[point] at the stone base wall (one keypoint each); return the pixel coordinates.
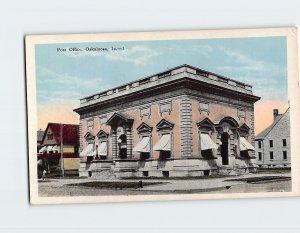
(104, 169)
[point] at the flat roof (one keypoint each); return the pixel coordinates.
(167, 76)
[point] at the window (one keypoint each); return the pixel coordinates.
(143, 147)
(283, 142)
(259, 156)
(145, 173)
(259, 144)
(164, 144)
(284, 155)
(271, 143)
(165, 173)
(49, 136)
(271, 155)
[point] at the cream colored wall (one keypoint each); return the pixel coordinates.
(49, 142)
(71, 163)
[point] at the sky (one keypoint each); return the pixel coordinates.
(63, 77)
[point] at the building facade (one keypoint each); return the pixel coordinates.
(181, 122)
(273, 144)
(60, 141)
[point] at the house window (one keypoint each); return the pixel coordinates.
(259, 156)
(271, 155)
(271, 143)
(49, 136)
(203, 107)
(259, 144)
(90, 124)
(284, 155)
(283, 142)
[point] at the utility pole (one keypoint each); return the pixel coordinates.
(61, 151)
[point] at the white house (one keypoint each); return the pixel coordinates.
(272, 145)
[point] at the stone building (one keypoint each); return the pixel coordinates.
(59, 141)
(181, 122)
(273, 144)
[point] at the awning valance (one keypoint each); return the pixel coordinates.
(55, 148)
(143, 145)
(49, 148)
(43, 149)
(88, 151)
(245, 145)
(207, 143)
(164, 143)
(102, 149)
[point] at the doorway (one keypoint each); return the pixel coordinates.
(122, 141)
(224, 148)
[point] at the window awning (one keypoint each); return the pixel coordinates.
(143, 145)
(88, 151)
(164, 143)
(43, 149)
(49, 148)
(207, 143)
(245, 145)
(55, 148)
(102, 149)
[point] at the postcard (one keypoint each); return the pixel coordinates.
(158, 116)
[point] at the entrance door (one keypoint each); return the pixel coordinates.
(122, 146)
(224, 148)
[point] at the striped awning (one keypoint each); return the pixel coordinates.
(49, 148)
(207, 143)
(43, 149)
(164, 143)
(245, 145)
(143, 145)
(55, 148)
(88, 151)
(102, 149)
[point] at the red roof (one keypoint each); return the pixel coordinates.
(69, 135)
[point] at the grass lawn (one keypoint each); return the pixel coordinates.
(261, 179)
(273, 170)
(177, 178)
(114, 184)
(67, 177)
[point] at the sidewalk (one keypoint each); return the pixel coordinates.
(169, 185)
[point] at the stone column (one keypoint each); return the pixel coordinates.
(186, 127)
(114, 143)
(129, 142)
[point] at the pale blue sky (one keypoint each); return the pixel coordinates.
(69, 76)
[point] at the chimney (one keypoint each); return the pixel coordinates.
(275, 114)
